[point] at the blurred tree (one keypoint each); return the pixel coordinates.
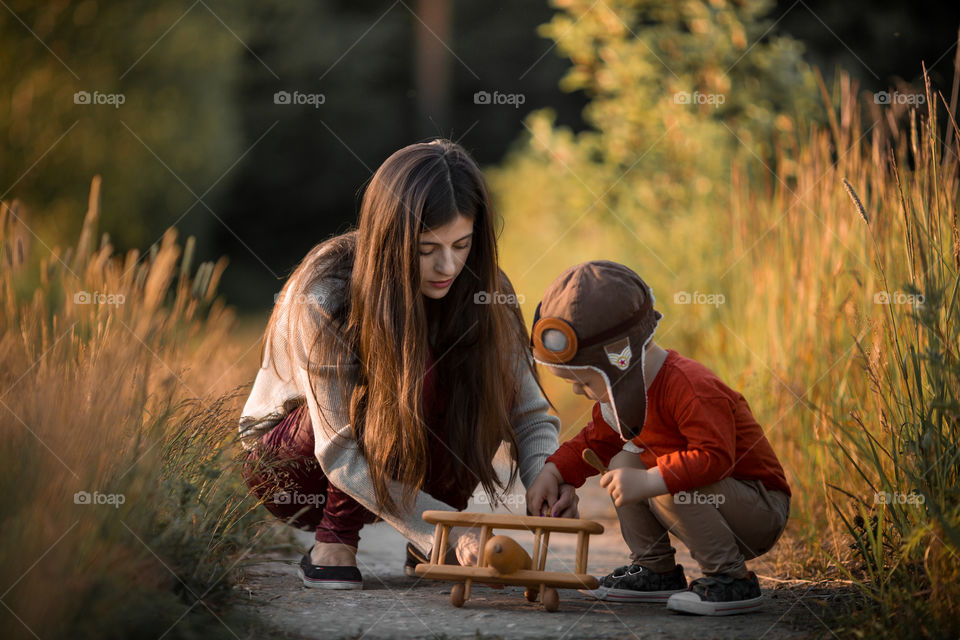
(143, 95)
(433, 61)
(307, 174)
(200, 117)
(314, 154)
(678, 91)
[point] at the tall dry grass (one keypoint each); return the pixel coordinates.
(122, 513)
(853, 254)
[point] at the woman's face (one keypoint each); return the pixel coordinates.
(443, 253)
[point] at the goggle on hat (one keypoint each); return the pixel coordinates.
(594, 316)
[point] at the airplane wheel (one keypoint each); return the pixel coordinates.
(551, 601)
(531, 594)
(456, 594)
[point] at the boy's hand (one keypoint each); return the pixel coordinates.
(550, 495)
(629, 486)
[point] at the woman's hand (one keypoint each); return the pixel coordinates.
(467, 546)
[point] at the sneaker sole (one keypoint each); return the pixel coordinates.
(703, 608)
(628, 595)
(328, 584)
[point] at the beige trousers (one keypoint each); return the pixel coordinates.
(724, 524)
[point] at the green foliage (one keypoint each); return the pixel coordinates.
(175, 65)
(678, 91)
(653, 172)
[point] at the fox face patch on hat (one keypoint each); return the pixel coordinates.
(598, 315)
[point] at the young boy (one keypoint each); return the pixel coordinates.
(684, 452)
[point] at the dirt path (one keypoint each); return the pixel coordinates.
(392, 605)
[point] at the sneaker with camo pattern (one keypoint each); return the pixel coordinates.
(636, 583)
(719, 595)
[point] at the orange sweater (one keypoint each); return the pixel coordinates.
(698, 431)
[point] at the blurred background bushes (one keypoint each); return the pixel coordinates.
(200, 143)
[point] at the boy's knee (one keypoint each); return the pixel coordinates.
(685, 507)
(626, 459)
(667, 503)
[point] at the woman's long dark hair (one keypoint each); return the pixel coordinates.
(387, 323)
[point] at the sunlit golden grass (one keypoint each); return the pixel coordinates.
(122, 512)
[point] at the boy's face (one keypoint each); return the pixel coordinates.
(586, 382)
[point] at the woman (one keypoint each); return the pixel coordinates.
(392, 371)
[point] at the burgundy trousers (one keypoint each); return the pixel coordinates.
(281, 470)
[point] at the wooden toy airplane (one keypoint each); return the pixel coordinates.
(503, 561)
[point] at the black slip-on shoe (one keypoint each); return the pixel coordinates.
(318, 576)
(719, 595)
(414, 557)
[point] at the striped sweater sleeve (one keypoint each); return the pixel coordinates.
(536, 430)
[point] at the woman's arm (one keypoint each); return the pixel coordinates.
(537, 431)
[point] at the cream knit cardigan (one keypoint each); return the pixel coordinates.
(336, 449)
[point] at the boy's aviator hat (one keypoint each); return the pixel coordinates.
(599, 315)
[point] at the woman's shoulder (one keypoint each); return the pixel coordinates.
(322, 280)
(316, 297)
